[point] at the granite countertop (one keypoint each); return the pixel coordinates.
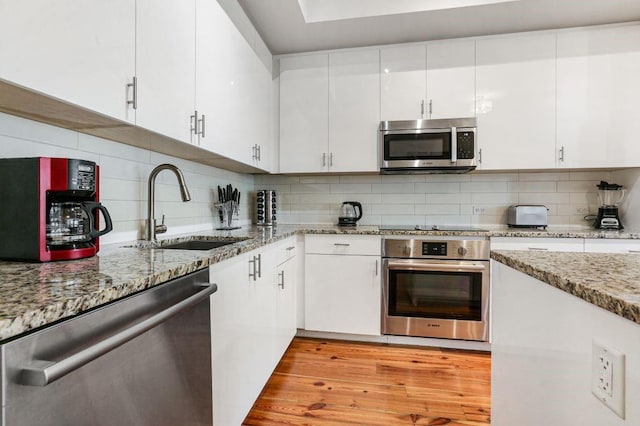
(610, 281)
(34, 295)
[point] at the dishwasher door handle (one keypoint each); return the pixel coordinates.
(41, 373)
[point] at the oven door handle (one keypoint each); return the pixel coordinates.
(437, 267)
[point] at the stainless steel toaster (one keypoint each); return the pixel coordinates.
(527, 216)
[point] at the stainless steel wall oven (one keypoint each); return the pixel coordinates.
(436, 288)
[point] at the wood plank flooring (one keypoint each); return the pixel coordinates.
(328, 382)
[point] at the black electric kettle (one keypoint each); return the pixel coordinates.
(348, 214)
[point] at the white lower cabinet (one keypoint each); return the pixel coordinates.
(541, 244)
(252, 323)
(342, 290)
(592, 245)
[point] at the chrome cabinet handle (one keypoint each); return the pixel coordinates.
(252, 262)
(422, 108)
(561, 153)
(634, 251)
(194, 123)
(290, 248)
(134, 95)
(341, 244)
(41, 373)
(430, 107)
(259, 149)
(281, 283)
(259, 266)
(324, 159)
(253, 153)
(376, 267)
(331, 159)
(202, 124)
(480, 155)
(538, 248)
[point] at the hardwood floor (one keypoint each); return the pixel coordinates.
(328, 382)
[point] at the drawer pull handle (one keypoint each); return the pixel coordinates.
(634, 251)
(341, 244)
(538, 248)
(290, 248)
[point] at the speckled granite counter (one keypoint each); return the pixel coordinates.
(33, 295)
(610, 281)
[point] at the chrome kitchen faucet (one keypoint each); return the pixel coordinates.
(151, 228)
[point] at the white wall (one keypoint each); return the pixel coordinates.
(124, 174)
(436, 199)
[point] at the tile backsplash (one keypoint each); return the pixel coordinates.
(124, 172)
(478, 198)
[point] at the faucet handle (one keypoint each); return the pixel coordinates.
(162, 228)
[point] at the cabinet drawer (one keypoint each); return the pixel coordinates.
(343, 244)
(550, 244)
(285, 250)
(611, 246)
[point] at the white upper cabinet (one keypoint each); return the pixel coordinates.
(165, 66)
(354, 111)
(451, 79)
(598, 93)
(304, 113)
(82, 52)
(233, 90)
(403, 83)
(515, 103)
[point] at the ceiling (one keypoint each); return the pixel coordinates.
(335, 24)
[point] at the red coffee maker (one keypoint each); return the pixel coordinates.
(49, 209)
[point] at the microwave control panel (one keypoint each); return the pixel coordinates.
(465, 145)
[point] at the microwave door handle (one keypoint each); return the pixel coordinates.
(454, 145)
(437, 267)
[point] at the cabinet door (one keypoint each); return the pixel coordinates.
(342, 294)
(515, 80)
(304, 116)
(598, 92)
(354, 111)
(82, 52)
(403, 83)
(165, 66)
(285, 282)
(243, 332)
(451, 84)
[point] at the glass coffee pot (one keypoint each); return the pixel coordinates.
(72, 223)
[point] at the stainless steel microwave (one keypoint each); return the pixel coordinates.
(427, 146)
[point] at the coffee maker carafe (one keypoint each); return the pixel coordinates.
(610, 196)
(348, 214)
(50, 209)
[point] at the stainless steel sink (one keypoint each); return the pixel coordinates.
(198, 244)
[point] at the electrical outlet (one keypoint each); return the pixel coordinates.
(607, 377)
(478, 210)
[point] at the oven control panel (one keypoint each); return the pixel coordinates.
(434, 249)
(438, 249)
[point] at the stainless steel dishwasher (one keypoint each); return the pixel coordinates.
(142, 360)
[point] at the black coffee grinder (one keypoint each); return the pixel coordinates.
(610, 195)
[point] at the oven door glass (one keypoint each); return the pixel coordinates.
(417, 146)
(430, 294)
